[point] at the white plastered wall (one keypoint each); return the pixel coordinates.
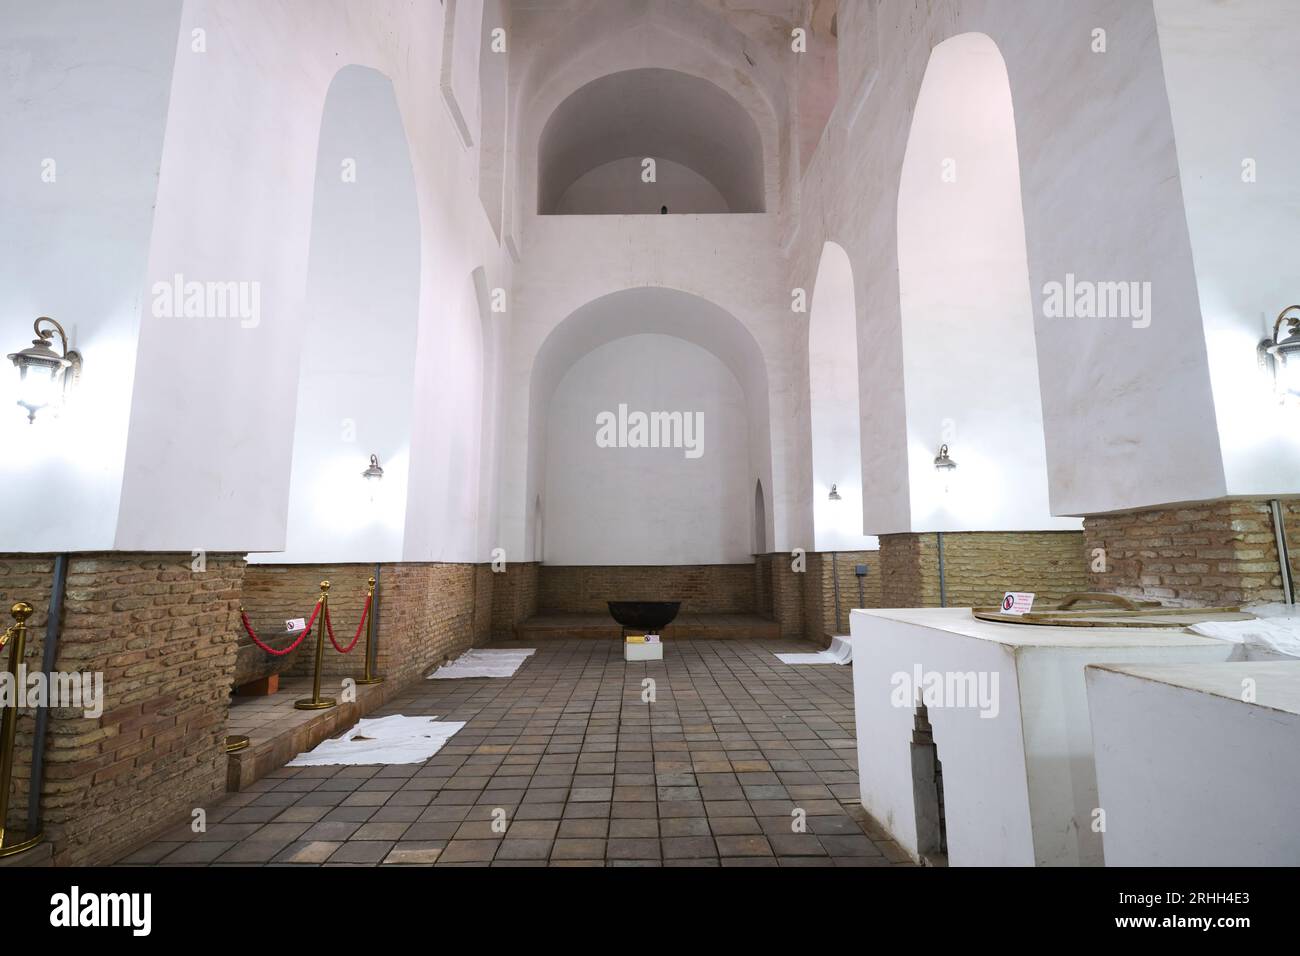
(1230, 69)
(208, 455)
(1125, 410)
(568, 262)
(694, 324)
(643, 505)
(82, 114)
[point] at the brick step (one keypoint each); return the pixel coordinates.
(687, 627)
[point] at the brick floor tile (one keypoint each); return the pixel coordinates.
(585, 772)
(594, 828)
(469, 851)
(743, 846)
(632, 849)
(512, 849)
(633, 828)
(692, 846)
(578, 849)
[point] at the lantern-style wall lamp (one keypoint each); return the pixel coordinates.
(1282, 353)
(945, 466)
(374, 472)
(835, 493)
(943, 463)
(44, 375)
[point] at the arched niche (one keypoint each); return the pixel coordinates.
(970, 365)
(647, 458)
(833, 402)
(652, 350)
(357, 365)
(706, 148)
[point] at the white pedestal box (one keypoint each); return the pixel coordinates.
(1189, 773)
(643, 652)
(1011, 729)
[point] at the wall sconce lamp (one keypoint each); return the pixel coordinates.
(44, 375)
(374, 472)
(835, 493)
(1282, 353)
(943, 463)
(945, 466)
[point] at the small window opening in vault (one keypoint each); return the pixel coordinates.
(927, 792)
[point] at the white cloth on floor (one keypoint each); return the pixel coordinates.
(485, 662)
(386, 740)
(1276, 629)
(840, 652)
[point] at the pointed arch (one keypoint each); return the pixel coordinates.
(970, 362)
(357, 365)
(833, 405)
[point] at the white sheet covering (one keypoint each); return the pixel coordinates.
(1276, 629)
(484, 662)
(840, 652)
(395, 739)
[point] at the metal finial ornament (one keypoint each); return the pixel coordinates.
(316, 701)
(16, 637)
(368, 676)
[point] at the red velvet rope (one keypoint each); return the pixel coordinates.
(292, 647)
(330, 627)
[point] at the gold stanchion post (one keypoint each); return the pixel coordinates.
(316, 701)
(9, 727)
(368, 676)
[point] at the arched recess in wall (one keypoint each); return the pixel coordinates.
(706, 149)
(357, 365)
(970, 366)
(760, 519)
(493, 64)
(833, 403)
(609, 496)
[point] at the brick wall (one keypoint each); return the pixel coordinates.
(163, 636)
(483, 610)
(787, 588)
(908, 571)
(275, 593)
(1215, 553)
(762, 572)
(702, 589)
(980, 566)
(819, 591)
(514, 598)
(426, 612)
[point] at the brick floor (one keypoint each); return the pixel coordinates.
(739, 760)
